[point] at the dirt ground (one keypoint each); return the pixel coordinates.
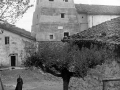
(32, 80)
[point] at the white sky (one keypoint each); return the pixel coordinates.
(26, 21)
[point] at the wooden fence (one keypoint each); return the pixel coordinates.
(105, 81)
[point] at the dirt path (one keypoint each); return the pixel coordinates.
(32, 80)
(43, 85)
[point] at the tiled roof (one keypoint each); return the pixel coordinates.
(108, 31)
(98, 9)
(16, 30)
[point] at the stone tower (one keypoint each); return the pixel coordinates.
(54, 19)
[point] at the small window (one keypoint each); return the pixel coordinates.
(51, 0)
(51, 36)
(66, 0)
(6, 40)
(82, 16)
(66, 34)
(62, 15)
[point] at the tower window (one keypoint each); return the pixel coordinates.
(51, 36)
(62, 15)
(51, 0)
(66, 0)
(6, 40)
(66, 34)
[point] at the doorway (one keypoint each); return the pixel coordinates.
(13, 60)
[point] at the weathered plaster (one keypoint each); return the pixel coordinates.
(55, 3)
(16, 47)
(47, 19)
(97, 19)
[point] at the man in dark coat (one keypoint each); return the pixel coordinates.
(19, 83)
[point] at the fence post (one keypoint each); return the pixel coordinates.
(108, 80)
(1, 84)
(104, 85)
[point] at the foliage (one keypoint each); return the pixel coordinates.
(12, 10)
(66, 61)
(63, 57)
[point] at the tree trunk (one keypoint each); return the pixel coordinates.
(66, 79)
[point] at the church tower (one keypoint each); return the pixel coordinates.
(54, 19)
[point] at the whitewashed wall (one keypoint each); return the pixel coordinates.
(97, 19)
(17, 45)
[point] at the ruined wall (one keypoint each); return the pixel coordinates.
(17, 46)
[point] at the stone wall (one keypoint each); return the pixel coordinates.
(47, 20)
(30, 47)
(50, 44)
(18, 47)
(55, 3)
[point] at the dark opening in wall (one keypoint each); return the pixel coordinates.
(13, 60)
(66, 34)
(51, 36)
(66, 0)
(62, 15)
(6, 40)
(51, 0)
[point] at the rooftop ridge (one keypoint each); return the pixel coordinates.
(16, 30)
(98, 9)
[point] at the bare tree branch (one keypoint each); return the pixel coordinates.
(13, 10)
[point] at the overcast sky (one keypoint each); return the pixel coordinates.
(26, 21)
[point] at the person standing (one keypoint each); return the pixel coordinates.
(19, 83)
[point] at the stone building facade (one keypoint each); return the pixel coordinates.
(92, 15)
(54, 19)
(15, 45)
